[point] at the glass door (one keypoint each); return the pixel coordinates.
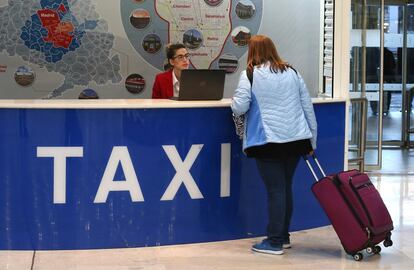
(366, 84)
(382, 73)
(398, 80)
(406, 66)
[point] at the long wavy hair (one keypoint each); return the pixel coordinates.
(261, 51)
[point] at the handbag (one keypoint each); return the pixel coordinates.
(239, 120)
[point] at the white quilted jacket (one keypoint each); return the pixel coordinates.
(278, 108)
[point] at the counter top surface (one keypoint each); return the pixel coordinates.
(124, 103)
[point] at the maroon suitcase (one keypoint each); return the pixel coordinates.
(355, 209)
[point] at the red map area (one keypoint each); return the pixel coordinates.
(58, 31)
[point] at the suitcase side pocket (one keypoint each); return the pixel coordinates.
(368, 196)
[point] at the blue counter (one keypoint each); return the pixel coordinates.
(89, 177)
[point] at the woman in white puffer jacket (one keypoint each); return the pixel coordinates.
(280, 126)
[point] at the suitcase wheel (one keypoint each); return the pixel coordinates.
(373, 250)
(377, 249)
(387, 243)
(358, 256)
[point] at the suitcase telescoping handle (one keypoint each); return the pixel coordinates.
(311, 168)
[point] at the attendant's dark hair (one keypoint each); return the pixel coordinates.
(261, 51)
(171, 49)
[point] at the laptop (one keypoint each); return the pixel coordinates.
(201, 84)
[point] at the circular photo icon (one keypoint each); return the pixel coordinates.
(245, 9)
(228, 62)
(192, 39)
(151, 43)
(213, 3)
(88, 94)
(140, 18)
(135, 83)
(24, 76)
(241, 36)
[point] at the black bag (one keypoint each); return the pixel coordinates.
(239, 120)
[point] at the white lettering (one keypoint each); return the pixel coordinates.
(59, 155)
(119, 155)
(183, 174)
(47, 15)
(225, 170)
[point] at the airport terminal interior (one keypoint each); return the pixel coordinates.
(379, 140)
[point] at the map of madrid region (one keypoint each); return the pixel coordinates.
(52, 31)
(66, 37)
(215, 32)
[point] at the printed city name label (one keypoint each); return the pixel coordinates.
(120, 156)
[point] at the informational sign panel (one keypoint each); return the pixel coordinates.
(107, 178)
(59, 48)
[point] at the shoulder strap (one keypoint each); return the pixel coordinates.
(293, 70)
(249, 76)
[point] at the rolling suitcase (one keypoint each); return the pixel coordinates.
(355, 208)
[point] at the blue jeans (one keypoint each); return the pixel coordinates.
(277, 175)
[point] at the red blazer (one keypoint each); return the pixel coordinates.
(163, 85)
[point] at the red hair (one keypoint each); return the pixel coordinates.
(263, 50)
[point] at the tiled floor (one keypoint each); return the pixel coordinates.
(394, 161)
(312, 249)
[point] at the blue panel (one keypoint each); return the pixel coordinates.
(31, 220)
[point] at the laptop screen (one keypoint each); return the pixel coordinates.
(202, 84)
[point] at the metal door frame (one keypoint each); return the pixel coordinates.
(406, 129)
(406, 110)
(362, 145)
